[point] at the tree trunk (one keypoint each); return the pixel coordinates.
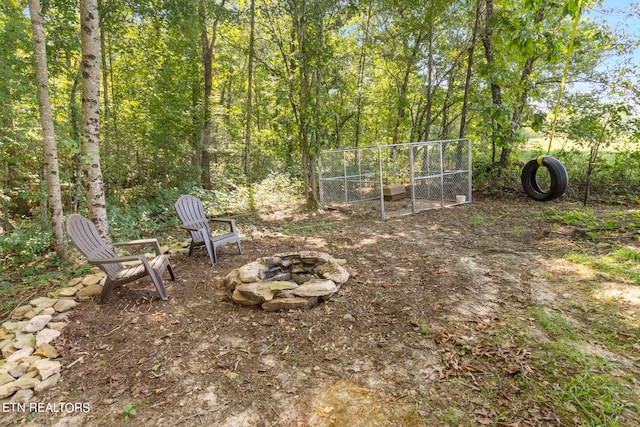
(207, 134)
(54, 196)
(106, 108)
(105, 90)
(6, 126)
(402, 96)
(74, 119)
(496, 90)
(196, 136)
(593, 155)
(430, 90)
(5, 224)
(90, 148)
(360, 83)
(208, 143)
(467, 81)
(247, 132)
(300, 20)
(523, 93)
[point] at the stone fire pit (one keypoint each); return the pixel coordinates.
(287, 281)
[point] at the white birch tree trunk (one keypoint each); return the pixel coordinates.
(52, 176)
(90, 147)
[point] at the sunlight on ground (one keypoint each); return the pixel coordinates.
(365, 242)
(346, 404)
(570, 271)
(316, 242)
(620, 292)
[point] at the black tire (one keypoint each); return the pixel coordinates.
(557, 173)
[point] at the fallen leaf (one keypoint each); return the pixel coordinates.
(323, 412)
(441, 271)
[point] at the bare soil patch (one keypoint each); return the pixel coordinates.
(427, 331)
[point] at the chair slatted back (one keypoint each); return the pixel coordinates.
(191, 212)
(84, 235)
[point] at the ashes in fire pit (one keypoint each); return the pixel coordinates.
(287, 281)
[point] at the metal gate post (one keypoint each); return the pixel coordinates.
(441, 178)
(381, 183)
(320, 179)
(413, 177)
(344, 175)
(360, 182)
(469, 170)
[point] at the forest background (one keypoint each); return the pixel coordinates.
(229, 98)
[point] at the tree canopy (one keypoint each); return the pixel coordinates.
(174, 107)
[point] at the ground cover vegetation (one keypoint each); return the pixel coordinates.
(233, 101)
(501, 312)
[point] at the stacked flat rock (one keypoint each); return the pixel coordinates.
(295, 280)
(28, 355)
(28, 364)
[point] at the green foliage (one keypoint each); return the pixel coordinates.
(582, 383)
(555, 324)
(144, 217)
(30, 266)
(494, 181)
(621, 263)
(274, 193)
(129, 411)
(306, 229)
(619, 221)
(25, 243)
(346, 73)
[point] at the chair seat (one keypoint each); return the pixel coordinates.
(191, 212)
(219, 239)
(137, 271)
(86, 238)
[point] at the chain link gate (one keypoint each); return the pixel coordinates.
(397, 179)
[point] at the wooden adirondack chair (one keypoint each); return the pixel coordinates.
(191, 213)
(85, 237)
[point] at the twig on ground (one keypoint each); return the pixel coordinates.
(199, 414)
(116, 328)
(19, 304)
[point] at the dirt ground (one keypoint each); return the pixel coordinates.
(427, 331)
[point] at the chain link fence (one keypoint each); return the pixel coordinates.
(397, 179)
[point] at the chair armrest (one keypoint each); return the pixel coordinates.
(230, 221)
(142, 242)
(221, 219)
(118, 259)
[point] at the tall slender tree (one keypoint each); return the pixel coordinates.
(247, 132)
(208, 45)
(467, 80)
(54, 197)
(90, 147)
(362, 61)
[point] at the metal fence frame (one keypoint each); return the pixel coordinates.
(436, 172)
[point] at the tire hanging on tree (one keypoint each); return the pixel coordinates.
(559, 177)
(557, 173)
